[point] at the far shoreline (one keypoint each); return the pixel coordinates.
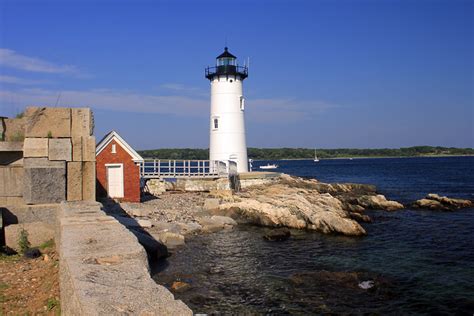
(366, 157)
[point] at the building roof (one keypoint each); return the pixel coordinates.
(225, 54)
(113, 135)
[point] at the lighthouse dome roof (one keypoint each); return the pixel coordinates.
(226, 54)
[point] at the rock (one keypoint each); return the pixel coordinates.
(189, 228)
(210, 204)
(48, 122)
(285, 206)
(365, 285)
(60, 149)
(38, 233)
(35, 147)
(171, 240)
(215, 223)
(378, 202)
(46, 258)
(74, 181)
(44, 181)
(179, 286)
(88, 181)
(443, 203)
(278, 234)
(360, 217)
(157, 186)
(32, 253)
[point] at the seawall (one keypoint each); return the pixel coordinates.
(103, 268)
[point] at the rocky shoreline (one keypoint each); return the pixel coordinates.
(291, 202)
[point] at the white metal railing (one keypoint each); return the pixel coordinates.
(158, 168)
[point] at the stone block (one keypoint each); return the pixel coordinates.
(76, 148)
(49, 122)
(11, 146)
(88, 181)
(11, 181)
(38, 233)
(88, 148)
(60, 149)
(44, 181)
(74, 181)
(35, 147)
(82, 122)
(14, 129)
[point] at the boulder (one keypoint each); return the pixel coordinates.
(48, 122)
(442, 203)
(321, 212)
(38, 233)
(378, 202)
(60, 149)
(278, 234)
(44, 181)
(215, 223)
(170, 239)
(35, 147)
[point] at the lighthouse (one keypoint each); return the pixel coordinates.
(227, 126)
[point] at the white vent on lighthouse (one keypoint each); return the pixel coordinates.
(227, 132)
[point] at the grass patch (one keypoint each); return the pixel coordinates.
(47, 244)
(9, 258)
(52, 303)
(3, 286)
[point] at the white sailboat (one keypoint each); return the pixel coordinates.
(315, 156)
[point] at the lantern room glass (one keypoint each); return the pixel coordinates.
(226, 61)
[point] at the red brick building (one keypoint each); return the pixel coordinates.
(117, 168)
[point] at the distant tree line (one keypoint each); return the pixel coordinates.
(307, 153)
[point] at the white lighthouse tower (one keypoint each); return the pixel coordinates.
(227, 128)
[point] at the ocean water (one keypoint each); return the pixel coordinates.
(421, 262)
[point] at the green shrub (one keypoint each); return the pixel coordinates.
(23, 242)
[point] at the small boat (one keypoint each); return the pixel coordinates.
(269, 166)
(315, 157)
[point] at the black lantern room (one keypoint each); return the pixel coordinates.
(226, 65)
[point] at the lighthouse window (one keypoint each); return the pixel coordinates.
(242, 103)
(216, 123)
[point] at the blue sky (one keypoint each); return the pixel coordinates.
(324, 74)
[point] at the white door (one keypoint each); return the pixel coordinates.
(115, 181)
